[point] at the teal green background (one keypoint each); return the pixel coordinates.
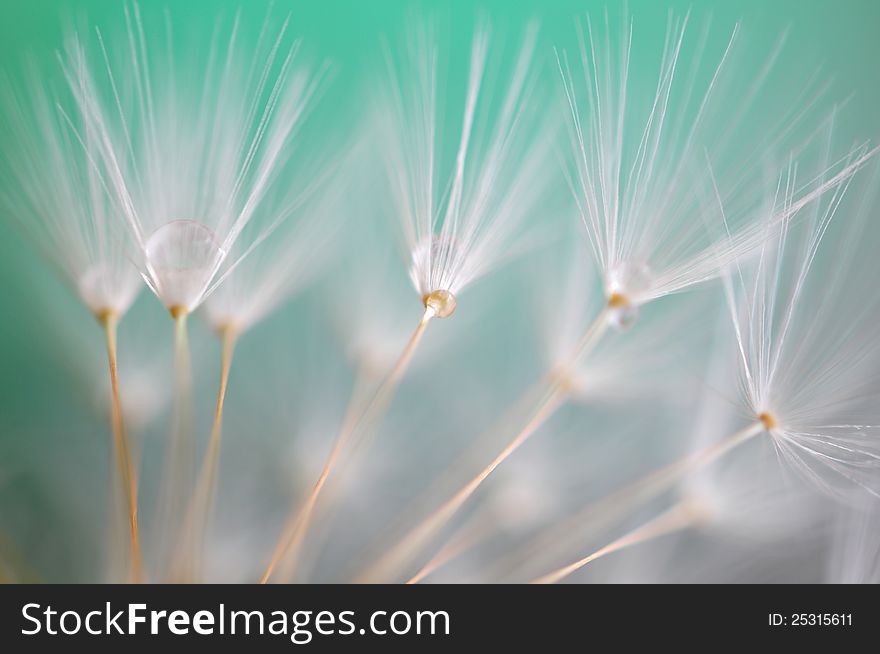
(839, 37)
(48, 445)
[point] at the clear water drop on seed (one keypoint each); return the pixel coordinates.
(182, 257)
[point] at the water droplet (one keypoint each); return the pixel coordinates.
(624, 284)
(629, 279)
(623, 317)
(182, 257)
(442, 302)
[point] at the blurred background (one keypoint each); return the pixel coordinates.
(293, 373)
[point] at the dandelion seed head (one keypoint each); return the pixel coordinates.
(190, 149)
(645, 169)
(55, 193)
(767, 419)
(806, 338)
(106, 288)
(298, 248)
(460, 211)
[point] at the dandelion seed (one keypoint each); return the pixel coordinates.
(617, 372)
(455, 236)
(786, 389)
(59, 198)
(621, 372)
(645, 207)
(191, 154)
(270, 276)
(257, 287)
(807, 346)
(457, 228)
(61, 202)
(373, 347)
(639, 173)
(735, 498)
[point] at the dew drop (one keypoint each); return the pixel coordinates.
(182, 257)
(628, 278)
(623, 317)
(624, 283)
(442, 302)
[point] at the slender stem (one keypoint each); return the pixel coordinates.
(509, 420)
(298, 562)
(419, 536)
(484, 445)
(590, 337)
(180, 454)
(212, 456)
(295, 530)
(643, 490)
(470, 535)
(551, 400)
(183, 435)
(198, 513)
(677, 518)
(109, 320)
(298, 523)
